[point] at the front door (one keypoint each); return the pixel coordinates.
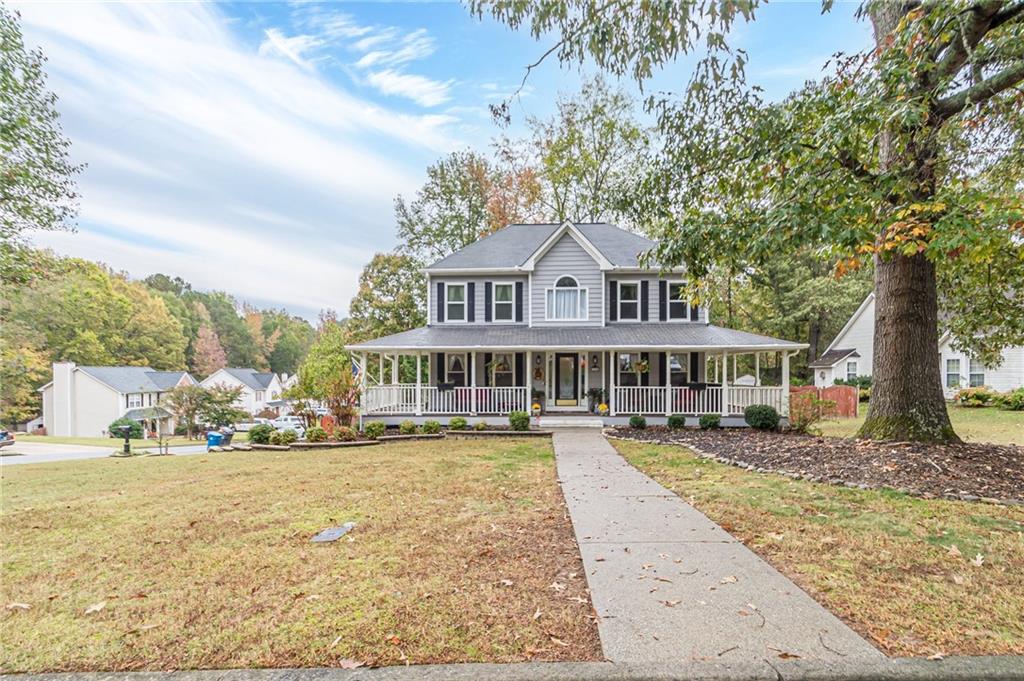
(567, 380)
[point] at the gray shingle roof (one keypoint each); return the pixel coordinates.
(831, 357)
(512, 246)
(635, 336)
(135, 379)
(256, 380)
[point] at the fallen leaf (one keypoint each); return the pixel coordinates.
(19, 606)
(958, 579)
(558, 587)
(788, 656)
(394, 640)
(506, 582)
(663, 579)
(558, 641)
(731, 579)
(349, 664)
(936, 656)
(536, 615)
(977, 560)
(670, 604)
(953, 551)
(336, 641)
(95, 607)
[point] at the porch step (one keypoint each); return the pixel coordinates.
(571, 422)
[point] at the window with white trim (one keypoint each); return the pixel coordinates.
(851, 370)
(455, 302)
(455, 370)
(502, 303)
(134, 400)
(259, 395)
(952, 373)
(567, 301)
(627, 369)
(678, 306)
(679, 368)
(976, 374)
(503, 370)
(629, 301)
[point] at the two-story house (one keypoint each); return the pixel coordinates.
(565, 316)
(259, 388)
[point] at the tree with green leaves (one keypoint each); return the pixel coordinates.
(391, 298)
(37, 177)
(907, 155)
(219, 406)
(326, 374)
(187, 403)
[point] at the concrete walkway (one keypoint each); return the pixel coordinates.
(668, 584)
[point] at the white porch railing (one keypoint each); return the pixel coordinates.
(741, 397)
(651, 399)
(401, 399)
(639, 400)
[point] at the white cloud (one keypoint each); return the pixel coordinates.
(423, 91)
(293, 48)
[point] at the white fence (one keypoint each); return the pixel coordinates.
(651, 400)
(401, 399)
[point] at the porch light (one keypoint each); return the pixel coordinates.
(595, 361)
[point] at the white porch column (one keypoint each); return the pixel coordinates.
(614, 369)
(604, 372)
(362, 387)
(735, 372)
(757, 368)
(667, 370)
(785, 383)
(725, 382)
(472, 383)
(394, 369)
(419, 384)
(380, 368)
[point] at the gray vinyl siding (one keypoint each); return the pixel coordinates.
(478, 296)
(567, 257)
(652, 298)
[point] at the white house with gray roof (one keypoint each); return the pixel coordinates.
(550, 314)
(258, 387)
(82, 401)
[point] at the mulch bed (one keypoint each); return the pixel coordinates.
(969, 471)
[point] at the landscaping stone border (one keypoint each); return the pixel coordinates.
(272, 448)
(836, 482)
(419, 436)
(469, 434)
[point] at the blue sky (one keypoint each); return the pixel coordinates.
(257, 147)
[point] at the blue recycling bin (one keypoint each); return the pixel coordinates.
(213, 439)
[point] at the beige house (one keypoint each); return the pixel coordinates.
(82, 401)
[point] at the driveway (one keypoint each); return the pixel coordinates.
(42, 452)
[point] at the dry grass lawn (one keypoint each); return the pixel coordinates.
(972, 425)
(883, 561)
(205, 561)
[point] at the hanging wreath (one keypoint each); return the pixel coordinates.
(538, 374)
(643, 366)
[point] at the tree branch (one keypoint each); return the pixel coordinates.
(954, 104)
(1008, 14)
(967, 37)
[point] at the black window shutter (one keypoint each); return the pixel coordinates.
(487, 369)
(439, 372)
(487, 301)
(663, 368)
(645, 378)
(520, 369)
(471, 302)
(694, 367)
(469, 369)
(440, 301)
(613, 300)
(662, 300)
(644, 300)
(694, 313)
(519, 301)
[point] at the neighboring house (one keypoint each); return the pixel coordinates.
(851, 353)
(258, 387)
(83, 401)
(551, 313)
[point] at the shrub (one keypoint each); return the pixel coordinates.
(864, 395)
(407, 428)
(288, 436)
(135, 433)
(807, 410)
(344, 434)
(374, 429)
(858, 381)
(977, 397)
(480, 425)
(316, 434)
(519, 420)
(676, 421)
(260, 433)
(709, 421)
(431, 427)
(761, 416)
(457, 423)
(637, 422)
(1013, 400)
(276, 438)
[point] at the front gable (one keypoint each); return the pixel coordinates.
(566, 256)
(567, 230)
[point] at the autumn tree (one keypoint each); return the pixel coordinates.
(391, 298)
(219, 405)
(187, 403)
(907, 155)
(326, 374)
(209, 355)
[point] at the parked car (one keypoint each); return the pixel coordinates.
(246, 426)
(6, 438)
(290, 423)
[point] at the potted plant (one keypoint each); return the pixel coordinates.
(537, 401)
(595, 397)
(602, 409)
(535, 408)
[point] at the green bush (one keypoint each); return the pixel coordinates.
(344, 434)
(637, 422)
(480, 425)
(979, 396)
(858, 382)
(709, 421)
(260, 434)
(676, 421)
(288, 436)
(864, 394)
(407, 428)
(316, 434)
(1012, 401)
(431, 427)
(457, 423)
(276, 438)
(135, 433)
(519, 420)
(761, 416)
(374, 429)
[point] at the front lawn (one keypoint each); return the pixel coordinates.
(972, 425)
(915, 576)
(462, 552)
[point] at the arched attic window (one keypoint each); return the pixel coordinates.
(566, 300)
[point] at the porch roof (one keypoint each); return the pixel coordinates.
(652, 336)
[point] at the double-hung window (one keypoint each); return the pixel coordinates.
(629, 301)
(627, 369)
(134, 400)
(455, 302)
(503, 370)
(851, 370)
(567, 301)
(976, 375)
(456, 370)
(503, 302)
(679, 365)
(952, 373)
(678, 307)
